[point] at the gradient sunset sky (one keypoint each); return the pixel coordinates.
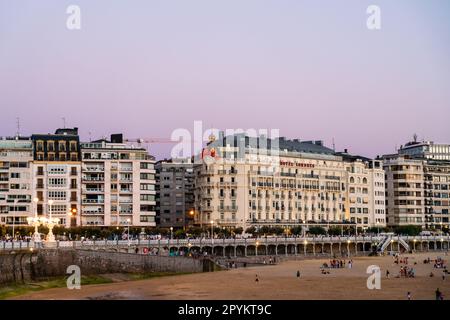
(309, 68)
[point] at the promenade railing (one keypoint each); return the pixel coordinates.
(203, 242)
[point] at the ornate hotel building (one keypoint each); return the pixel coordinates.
(117, 184)
(16, 158)
(243, 181)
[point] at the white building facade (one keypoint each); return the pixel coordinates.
(16, 190)
(250, 182)
(117, 185)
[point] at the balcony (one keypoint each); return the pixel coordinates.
(88, 178)
(125, 200)
(93, 201)
(128, 169)
(208, 172)
(93, 190)
(222, 171)
(93, 168)
(39, 186)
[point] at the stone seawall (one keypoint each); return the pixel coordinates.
(23, 266)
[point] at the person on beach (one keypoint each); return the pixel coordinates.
(408, 295)
(256, 279)
(298, 273)
(387, 274)
(438, 294)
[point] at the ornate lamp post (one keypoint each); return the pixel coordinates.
(51, 222)
(35, 221)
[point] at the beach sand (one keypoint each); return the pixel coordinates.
(278, 282)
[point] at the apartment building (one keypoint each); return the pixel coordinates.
(118, 184)
(418, 183)
(175, 192)
(16, 180)
(425, 150)
(436, 194)
(404, 191)
(274, 182)
(365, 196)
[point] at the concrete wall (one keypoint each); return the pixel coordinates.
(22, 266)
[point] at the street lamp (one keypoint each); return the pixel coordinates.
(171, 233)
(304, 228)
(35, 221)
(14, 219)
(51, 223)
(128, 230)
(212, 230)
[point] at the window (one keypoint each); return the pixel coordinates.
(147, 176)
(57, 195)
(147, 197)
(57, 182)
(15, 175)
(147, 186)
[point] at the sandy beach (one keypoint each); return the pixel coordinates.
(276, 282)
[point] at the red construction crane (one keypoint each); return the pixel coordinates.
(151, 140)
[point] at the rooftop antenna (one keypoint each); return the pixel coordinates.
(18, 127)
(334, 146)
(90, 136)
(64, 122)
(415, 137)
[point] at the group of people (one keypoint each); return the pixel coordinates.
(439, 263)
(400, 260)
(337, 264)
(407, 272)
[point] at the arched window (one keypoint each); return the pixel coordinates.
(352, 180)
(364, 180)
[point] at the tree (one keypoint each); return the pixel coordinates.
(316, 230)
(297, 230)
(409, 230)
(238, 230)
(334, 231)
(251, 230)
(180, 234)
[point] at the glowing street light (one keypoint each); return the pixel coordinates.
(50, 222)
(212, 230)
